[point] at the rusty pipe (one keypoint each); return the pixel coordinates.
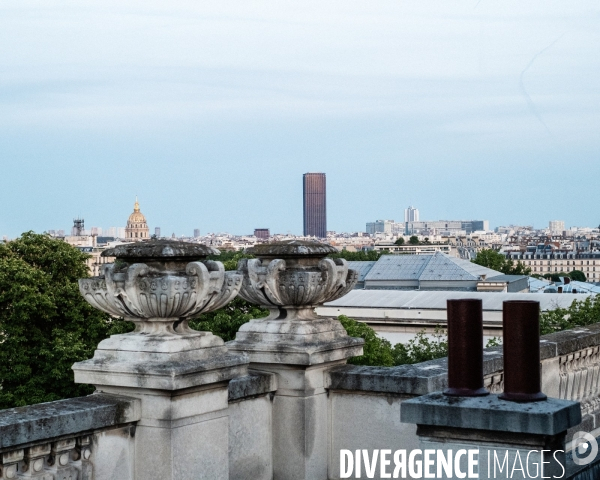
(521, 345)
(465, 348)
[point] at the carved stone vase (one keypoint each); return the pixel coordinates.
(159, 286)
(291, 278)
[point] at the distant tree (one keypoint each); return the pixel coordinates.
(496, 261)
(490, 258)
(510, 268)
(45, 323)
(413, 240)
(426, 240)
(360, 256)
(399, 241)
(578, 276)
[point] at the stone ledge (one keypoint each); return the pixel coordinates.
(549, 417)
(418, 379)
(427, 377)
(34, 423)
(255, 383)
(569, 341)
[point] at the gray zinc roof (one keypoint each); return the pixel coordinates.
(438, 266)
(423, 299)
(362, 268)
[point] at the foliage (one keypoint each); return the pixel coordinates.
(413, 240)
(422, 347)
(490, 258)
(376, 351)
(226, 321)
(45, 324)
(399, 241)
(494, 342)
(361, 256)
(230, 258)
(577, 275)
(579, 314)
(379, 351)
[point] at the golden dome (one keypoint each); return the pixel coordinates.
(136, 216)
(137, 228)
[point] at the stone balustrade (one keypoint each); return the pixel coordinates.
(76, 439)
(364, 405)
(279, 402)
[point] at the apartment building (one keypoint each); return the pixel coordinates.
(542, 263)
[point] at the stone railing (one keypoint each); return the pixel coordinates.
(365, 402)
(277, 402)
(94, 437)
(76, 439)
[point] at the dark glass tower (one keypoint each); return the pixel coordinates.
(315, 209)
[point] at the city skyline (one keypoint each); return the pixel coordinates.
(211, 120)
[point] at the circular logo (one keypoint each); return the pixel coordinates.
(585, 448)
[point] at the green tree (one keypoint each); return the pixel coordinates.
(361, 256)
(579, 314)
(226, 321)
(496, 261)
(45, 323)
(578, 276)
(422, 347)
(377, 351)
(490, 258)
(399, 241)
(413, 240)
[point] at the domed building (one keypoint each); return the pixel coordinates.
(137, 228)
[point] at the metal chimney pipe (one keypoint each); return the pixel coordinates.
(465, 348)
(521, 344)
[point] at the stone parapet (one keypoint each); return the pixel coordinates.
(251, 385)
(78, 438)
(548, 417)
(35, 423)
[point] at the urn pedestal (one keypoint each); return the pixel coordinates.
(179, 374)
(291, 279)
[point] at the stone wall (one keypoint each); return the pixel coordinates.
(365, 402)
(81, 438)
(94, 437)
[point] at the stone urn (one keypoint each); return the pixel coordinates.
(292, 278)
(159, 286)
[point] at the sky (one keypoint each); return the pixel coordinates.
(210, 112)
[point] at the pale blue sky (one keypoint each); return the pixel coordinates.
(211, 112)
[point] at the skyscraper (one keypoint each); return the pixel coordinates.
(411, 214)
(315, 208)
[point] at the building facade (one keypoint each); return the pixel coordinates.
(541, 264)
(137, 228)
(315, 205)
(556, 226)
(446, 227)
